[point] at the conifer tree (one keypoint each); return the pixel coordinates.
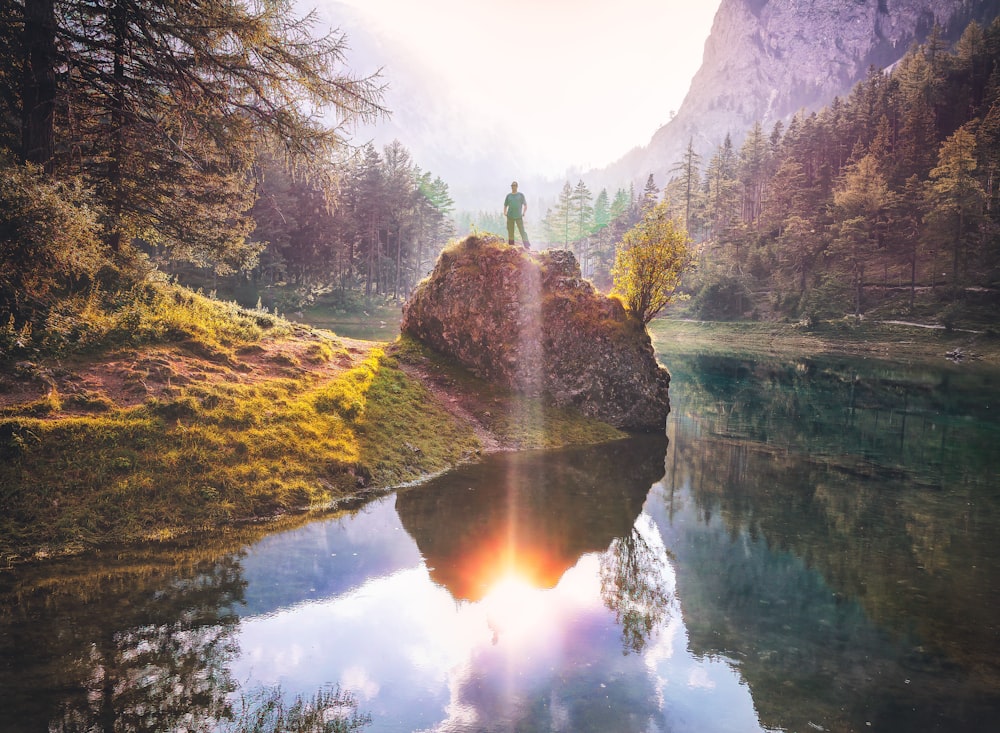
(689, 177)
(861, 200)
(164, 105)
(956, 199)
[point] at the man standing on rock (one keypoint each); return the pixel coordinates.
(514, 208)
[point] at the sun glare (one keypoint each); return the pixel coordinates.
(514, 608)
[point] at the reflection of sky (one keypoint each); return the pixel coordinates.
(418, 660)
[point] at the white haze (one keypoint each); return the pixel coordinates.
(483, 92)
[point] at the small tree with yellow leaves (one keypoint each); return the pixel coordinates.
(648, 263)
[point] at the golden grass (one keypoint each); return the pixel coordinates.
(79, 472)
(215, 454)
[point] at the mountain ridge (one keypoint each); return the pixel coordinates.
(765, 60)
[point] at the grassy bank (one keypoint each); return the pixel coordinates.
(197, 426)
(877, 340)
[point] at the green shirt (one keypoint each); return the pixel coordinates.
(514, 203)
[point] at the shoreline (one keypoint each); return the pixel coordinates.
(464, 419)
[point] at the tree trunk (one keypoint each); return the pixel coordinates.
(38, 83)
(116, 176)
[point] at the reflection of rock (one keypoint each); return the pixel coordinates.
(536, 512)
(532, 324)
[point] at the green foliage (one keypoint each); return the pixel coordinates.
(165, 113)
(50, 243)
(868, 205)
(722, 300)
(144, 314)
(650, 260)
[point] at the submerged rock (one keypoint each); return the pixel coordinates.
(531, 323)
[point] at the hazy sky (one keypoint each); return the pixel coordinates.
(570, 83)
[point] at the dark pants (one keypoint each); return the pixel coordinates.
(511, 221)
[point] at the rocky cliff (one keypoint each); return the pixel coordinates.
(766, 59)
(529, 322)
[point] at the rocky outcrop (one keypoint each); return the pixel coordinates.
(529, 322)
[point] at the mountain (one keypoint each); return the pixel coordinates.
(764, 60)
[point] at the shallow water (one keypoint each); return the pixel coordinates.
(816, 548)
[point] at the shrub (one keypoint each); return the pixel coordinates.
(723, 300)
(50, 241)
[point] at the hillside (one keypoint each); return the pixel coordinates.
(767, 59)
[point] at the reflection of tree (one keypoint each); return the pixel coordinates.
(167, 668)
(846, 509)
(634, 586)
(138, 648)
(330, 710)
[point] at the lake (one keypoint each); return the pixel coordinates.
(814, 546)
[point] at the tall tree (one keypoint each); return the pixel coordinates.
(602, 210)
(721, 183)
(689, 176)
(956, 198)
(559, 220)
(753, 173)
(861, 201)
(583, 217)
(38, 85)
(650, 194)
(165, 104)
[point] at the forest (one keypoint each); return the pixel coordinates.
(208, 143)
(882, 204)
(139, 142)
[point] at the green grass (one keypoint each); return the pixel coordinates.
(80, 472)
(151, 313)
(215, 454)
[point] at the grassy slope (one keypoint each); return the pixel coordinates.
(233, 424)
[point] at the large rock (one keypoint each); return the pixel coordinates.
(529, 322)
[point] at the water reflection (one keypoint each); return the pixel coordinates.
(149, 653)
(529, 514)
(503, 623)
(851, 568)
(815, 549)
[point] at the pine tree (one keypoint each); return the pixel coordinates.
(650, 194)
(861, 201)
(559, 220)
(583, 217)
(164, 106)
(720, 184)
(602, 210)
(753, 173)
(956, 199)
(689, 177)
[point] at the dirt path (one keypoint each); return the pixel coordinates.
(466, 406)
(128, 377)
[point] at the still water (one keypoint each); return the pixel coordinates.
(816, 547)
